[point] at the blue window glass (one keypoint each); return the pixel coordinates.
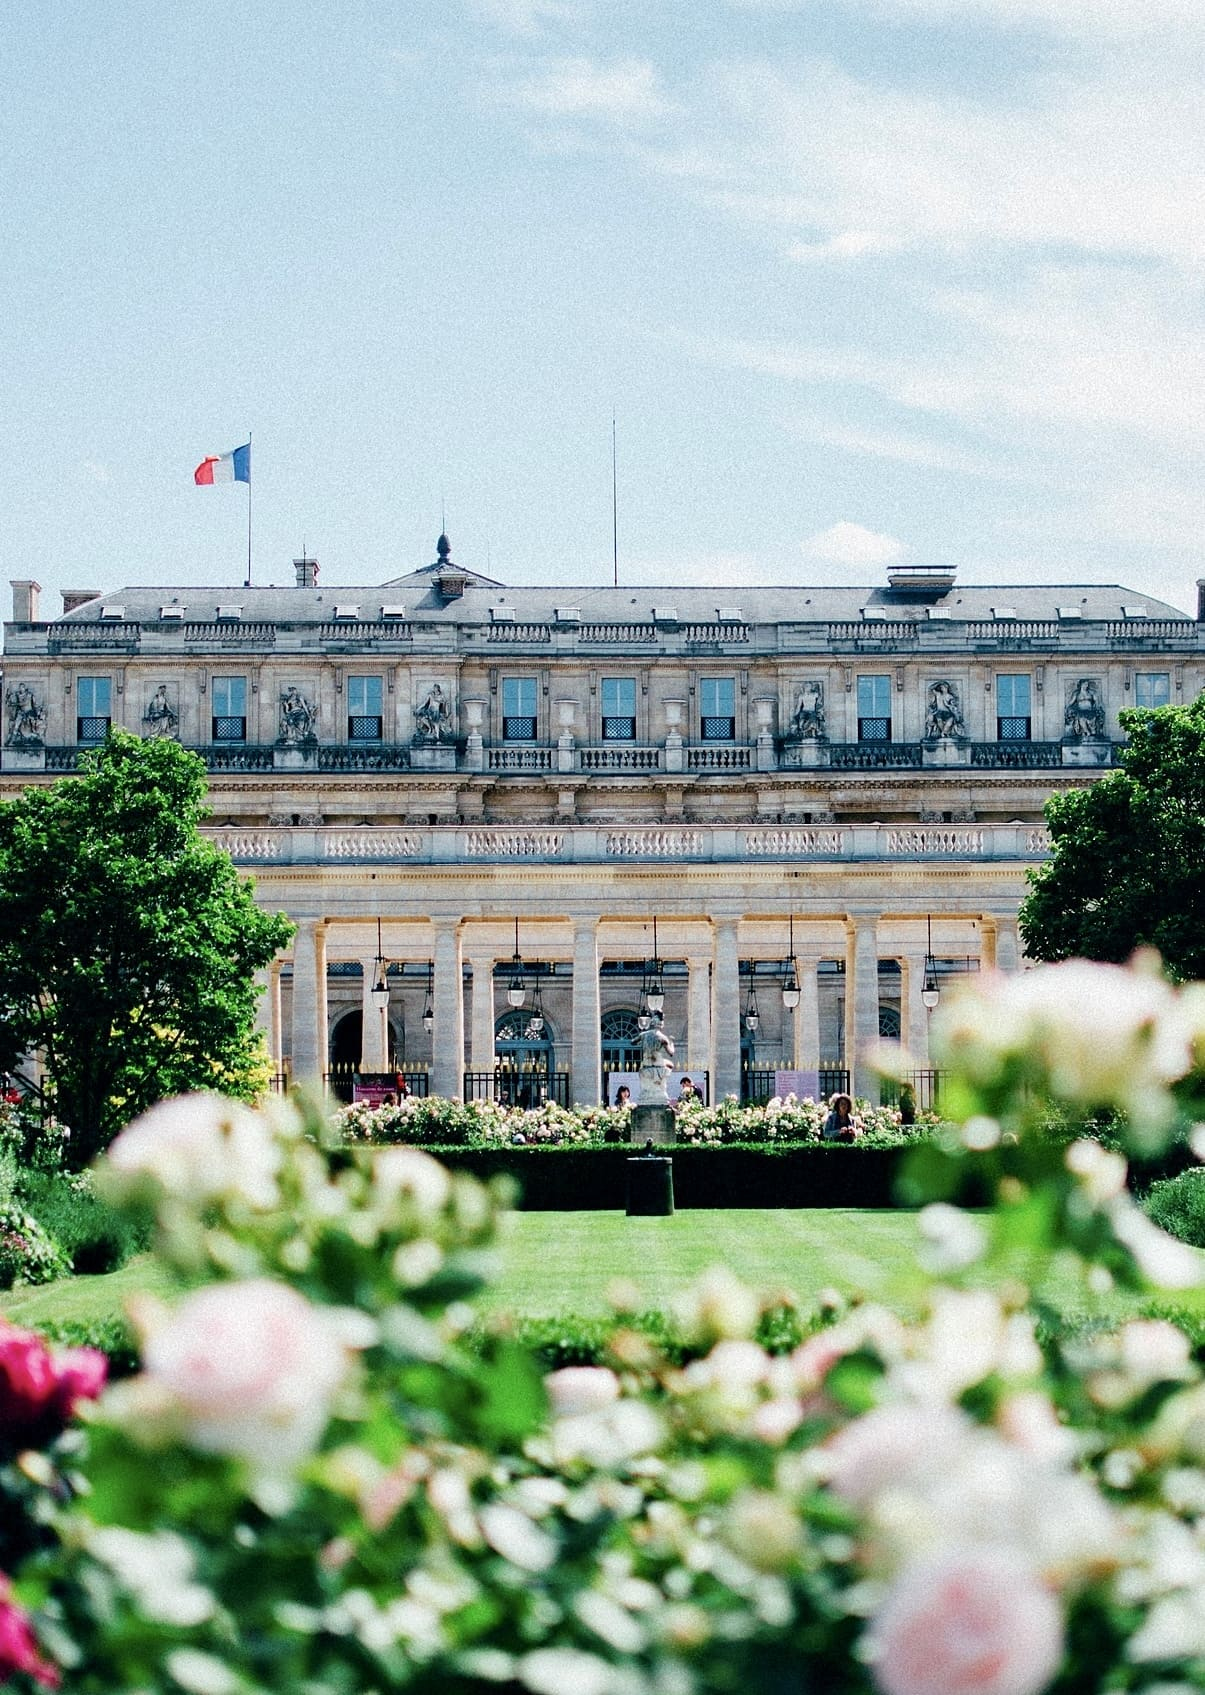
(717, 709)
(619, 709)
(93, 708)
(518, 709)
(364, 717)
(1014, 720)
(874, 709)
(229, 709)
(1152, 688)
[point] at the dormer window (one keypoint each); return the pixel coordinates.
(1134, 612)
(502, 614)
(937, 612)
(873, 614)
(568, 614)
(729, 615)
(347, 612)
(171, 613)
(112, 614)
(1005, 613)
(229, 614)
(393, 611)
(1071, 611)
(665, 614)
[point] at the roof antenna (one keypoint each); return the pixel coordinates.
(614, 510)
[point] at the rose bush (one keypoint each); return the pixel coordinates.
(316, 1484)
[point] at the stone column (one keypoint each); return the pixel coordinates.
(698, 1014)
(374, 1025)
(481, 1041)
(807, 1017)
(726, 1012)
(863, 992)
(275, 1021)
(586, 1062)
(915, 1022)
(309, 1001)
(447, 1032)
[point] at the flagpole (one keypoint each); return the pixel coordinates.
(248, 583)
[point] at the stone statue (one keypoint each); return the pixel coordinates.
(433, 720)
(807, 724)
(26, 719)
(297, 718)
(656, 1059)
(944, 717)
(1084, 718)
(160, 717)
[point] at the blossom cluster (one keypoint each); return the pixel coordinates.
(316, 1482)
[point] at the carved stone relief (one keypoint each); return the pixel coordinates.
(26, 718)
(943, 714)
(1084, 718)
(298, 719)
(162, 715)
(807, 720)
(433, 717)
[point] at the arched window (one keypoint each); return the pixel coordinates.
(523, 1058)
(889, 1022)
(620, 1041)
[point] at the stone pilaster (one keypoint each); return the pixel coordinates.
(698, 1014)
(726, 1011)
(915, 1020)
(309, 1001)
(863, 992)
(586, 1072)
(482, 1018)
(447, 1034)
(807, 1017)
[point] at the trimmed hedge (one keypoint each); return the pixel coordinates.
(568, 1179)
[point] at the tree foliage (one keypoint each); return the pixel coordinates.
(1127, 864)
(128, 943)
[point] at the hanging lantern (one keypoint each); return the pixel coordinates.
(752, 1016)
(516, 987)
(930, 993)
(535, 1024)
(655, 992)
(429, 1002)
(379, 993)
(790, 986)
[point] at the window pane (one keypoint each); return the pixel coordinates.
(1152, 688)
(874, 697)
(717, 697)
(94, 697)
(619, 697)
(518, 697)
(364, 697)
(1012, 696)
(229, 697)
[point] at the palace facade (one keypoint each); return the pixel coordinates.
(502, 817)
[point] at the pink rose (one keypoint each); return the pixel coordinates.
(18, 1646)
(577, 1389)
(250, 1369)
(39, 1390)
(969, 1621)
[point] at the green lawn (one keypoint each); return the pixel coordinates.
(562, 1262)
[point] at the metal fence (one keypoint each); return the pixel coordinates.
(759, 1083)
(926, 1089)
(519, 1086)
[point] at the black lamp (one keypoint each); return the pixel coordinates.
(429, 1002)
(930, 994)
(655, 993)
(516, 988)
(752, 1016)
(379, 993)
(790, 987)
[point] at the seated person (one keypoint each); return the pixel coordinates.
(687, 1093)
(623, 1096)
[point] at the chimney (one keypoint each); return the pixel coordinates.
(307, 572)
(25, 600)
(78, 597)
(1200, 599)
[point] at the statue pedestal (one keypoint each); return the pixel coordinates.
(944, 750)
(802, 756)
(1087, 753)
(295, 758)
(23, 759)
(433, 756)
(652, 1124)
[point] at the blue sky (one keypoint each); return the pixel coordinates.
(862, 280)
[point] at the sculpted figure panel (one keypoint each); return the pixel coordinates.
(298, 718)
(26, 718)
(807, 721)
(433, 719)
(1085, 716)
(944, 715)
(160, 717)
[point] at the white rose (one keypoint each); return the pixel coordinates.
(250, 1369)
(406, 1174)
(968, 1619)
(580, 1389)
(200, 1147)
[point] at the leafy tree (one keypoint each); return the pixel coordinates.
(128, 943)
(1127, 863)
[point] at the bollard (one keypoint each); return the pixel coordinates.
(650, 1187)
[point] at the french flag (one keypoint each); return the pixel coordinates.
(225, 467)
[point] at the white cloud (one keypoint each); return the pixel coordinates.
(924, 453)
(97, 472)
(852, 544)
(619, 92)
(526, 17)
(848, 244)
(1072, 17)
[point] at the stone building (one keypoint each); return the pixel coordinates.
(521, 810)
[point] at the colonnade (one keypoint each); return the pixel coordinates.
(713, 992)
